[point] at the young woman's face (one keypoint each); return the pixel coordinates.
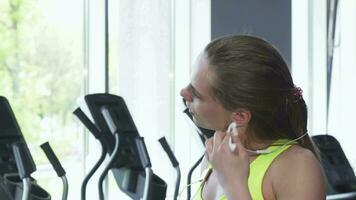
(207, 112)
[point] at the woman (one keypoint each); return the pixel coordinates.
(243, 79)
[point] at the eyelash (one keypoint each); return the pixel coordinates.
(194, 95)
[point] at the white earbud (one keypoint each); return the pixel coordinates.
(232, 129)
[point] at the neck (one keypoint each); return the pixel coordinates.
(253, 143)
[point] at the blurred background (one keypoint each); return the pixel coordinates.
(52, 54)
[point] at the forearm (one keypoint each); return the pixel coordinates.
(238, 192)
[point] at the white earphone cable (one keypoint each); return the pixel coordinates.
(232, 129)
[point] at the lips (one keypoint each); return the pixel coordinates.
(187, 109)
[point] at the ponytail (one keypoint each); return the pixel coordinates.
(296, 110)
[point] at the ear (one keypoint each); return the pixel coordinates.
(241, 117)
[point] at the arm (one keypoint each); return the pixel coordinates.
(237, 191)
(232, 168)
(298, 176)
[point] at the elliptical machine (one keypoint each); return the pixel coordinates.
(16, 162)
(115, 130)
(128, 158)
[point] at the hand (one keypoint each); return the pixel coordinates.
(232, 168)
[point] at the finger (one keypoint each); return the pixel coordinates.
(240, 147)
(228, 144)
(209, 145)
(209, 149)
(206, 154)
(226, 138)
(218, 137)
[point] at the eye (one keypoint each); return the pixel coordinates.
(194, 95)
(193, 92)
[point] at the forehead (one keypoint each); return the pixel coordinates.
(200, 65)
(200, 72)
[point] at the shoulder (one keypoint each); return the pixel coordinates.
(297, 173)
(297, 157)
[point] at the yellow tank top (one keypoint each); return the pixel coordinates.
(258, 169)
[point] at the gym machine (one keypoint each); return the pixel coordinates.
(114, 128)
(128, 158)
(16, 162)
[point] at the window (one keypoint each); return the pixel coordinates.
(52, 54)
(309, 69)
(155, 44)
(41, 70)
(342, 98)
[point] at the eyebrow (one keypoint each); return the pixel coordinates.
(195, 91)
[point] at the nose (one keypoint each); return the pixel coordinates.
(185, 93)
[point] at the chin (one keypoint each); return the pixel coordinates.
(197, 122)
(200, 124)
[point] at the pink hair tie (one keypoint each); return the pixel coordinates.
(298, 92)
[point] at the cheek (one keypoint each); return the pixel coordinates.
(201, 108)
(208, 113)
(206, 110)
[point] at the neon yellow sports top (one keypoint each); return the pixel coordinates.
(258, 169)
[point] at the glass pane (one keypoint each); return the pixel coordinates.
(41, 70)
(342, 98)
(140, 73)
